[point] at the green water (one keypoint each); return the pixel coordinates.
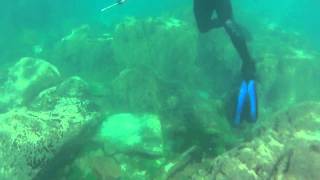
(137, 92)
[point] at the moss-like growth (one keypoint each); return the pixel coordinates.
(167, 46)
(136, 90)
(86, 53)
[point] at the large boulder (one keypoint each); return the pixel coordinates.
(26, 79)
(125, 146)
(30, 140)
(39, 139)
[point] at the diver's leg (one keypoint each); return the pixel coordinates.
(248, 72)
(225, 14)
(248, 88)
(248, 65)
(224, 10)
(203, 10)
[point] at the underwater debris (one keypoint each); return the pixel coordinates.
(182, 161)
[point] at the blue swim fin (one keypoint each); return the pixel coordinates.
(253, 100)
(241, 102)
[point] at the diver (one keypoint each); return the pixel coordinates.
(203, 11)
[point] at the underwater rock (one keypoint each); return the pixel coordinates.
(27, 78)
(46, 100)
(34, 144)
(105, 168)
(286, 142)
(301, 162)
(73, 87)
(94, 165)
(287, 147)
(133, 135)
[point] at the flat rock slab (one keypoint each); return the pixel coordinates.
(128, 133)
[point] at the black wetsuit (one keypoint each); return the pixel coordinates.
(203, 10)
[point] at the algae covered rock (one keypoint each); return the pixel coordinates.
(31, 140)
(47, 123)
(73, 87)
(27, 78)
(46, 100)
(131, 134)
(287, 148)
(304, 163)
